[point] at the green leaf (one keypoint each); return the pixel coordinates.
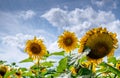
(83, 59)
(58, 53)
(62, 65)
(112, 60)
(84, 71)
(23, 69)
(47, 64)
(47, 55)
(26, 60)
(9, 73)
(56, 74)
(2, 62)
(27, 74)
(110, 68)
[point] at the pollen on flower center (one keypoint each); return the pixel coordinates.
(35, 48)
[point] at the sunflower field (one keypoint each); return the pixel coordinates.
(80, 58)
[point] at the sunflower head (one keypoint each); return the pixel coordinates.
(118, 65)
(18, 74)
(73, 70)
(85, 64)
(43, 70)
(35, 48)
(67, 41)
(101, 42)
(3, 70)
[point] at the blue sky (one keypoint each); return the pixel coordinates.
(21, 20)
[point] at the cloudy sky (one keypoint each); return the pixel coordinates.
(21, 20)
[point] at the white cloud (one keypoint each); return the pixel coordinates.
(56, 16)
(12, 54)
(18, 40)
(27, 14)
(80, 20)
(53, 47)
(109, 4)
(11, 24)
(98, 3)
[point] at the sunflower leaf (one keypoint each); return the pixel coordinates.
(84, 58)
(26, 60)
(23, 69)
(62, 65)
(84, 71)
(27, 73)
(110, 68)
(2, 62)
(47, 64)
(9, 73)
(61, 53)
(112, 60)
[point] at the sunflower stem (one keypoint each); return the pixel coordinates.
(115, 76)
(70, 53)
(98, 75)
(38, 68)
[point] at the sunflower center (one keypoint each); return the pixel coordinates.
(2, 72)
(68, 41)
(35, 48)
(17, 73)
(100, 50)
(119, 67)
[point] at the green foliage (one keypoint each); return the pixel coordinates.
(9, 73)
(28, 74)
(61, 53)
(110, 68)
(112, 60)
(62, 65)
(26, 60)
(83, 59)
(23, 69)
(2, 62)
(84, 71)
(47, 64)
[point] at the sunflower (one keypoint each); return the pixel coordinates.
(18, 75)
(101, 42)
(43, 70)
(35, 48)
(3, 70)
(73, 70)
(118, 65)
(67, 41)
